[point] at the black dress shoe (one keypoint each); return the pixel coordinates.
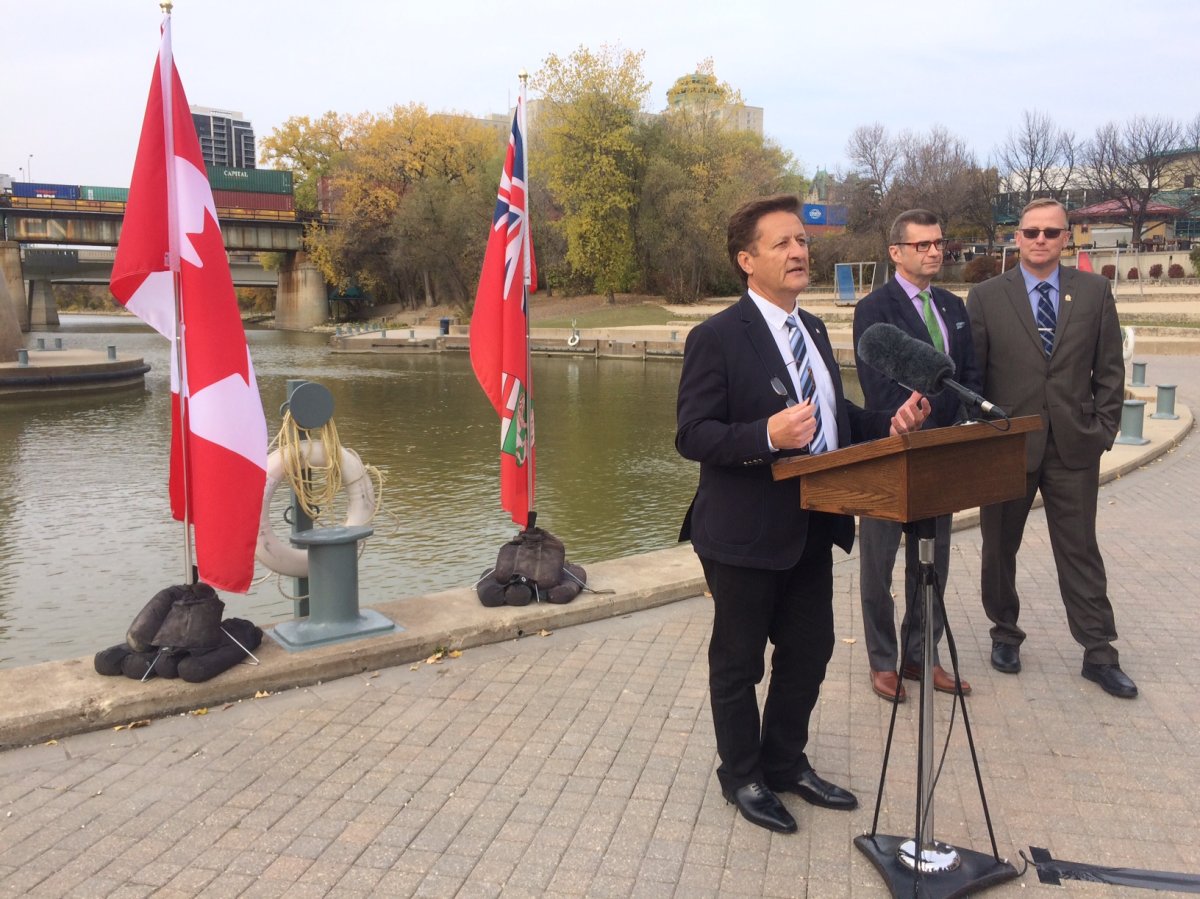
(818, 791)
(760, 806)
(1114, 681)
(1006, 657)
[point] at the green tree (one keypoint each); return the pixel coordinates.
(699, 171)
(585, 144)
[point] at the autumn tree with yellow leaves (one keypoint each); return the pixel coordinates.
(410, 207)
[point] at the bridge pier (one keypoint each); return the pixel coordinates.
(10, 329)
(301, 299)
(43, 311)
(10, 273)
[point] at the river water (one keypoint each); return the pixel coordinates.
(88, 538)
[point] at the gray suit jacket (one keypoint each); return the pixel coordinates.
(1078, 391)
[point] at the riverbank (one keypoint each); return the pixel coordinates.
(1165, 319)
(54, 699)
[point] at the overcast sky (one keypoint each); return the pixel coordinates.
(74, 74)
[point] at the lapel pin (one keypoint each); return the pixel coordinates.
(1067, 298)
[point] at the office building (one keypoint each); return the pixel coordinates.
(226, 138)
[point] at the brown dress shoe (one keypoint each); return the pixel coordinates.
(942, 681)
(885, 684)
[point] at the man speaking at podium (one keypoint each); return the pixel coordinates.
(1049, 343)
(759, 381)
(938, 318)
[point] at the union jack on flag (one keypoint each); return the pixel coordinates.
(500, 331)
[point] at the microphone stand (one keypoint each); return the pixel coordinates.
(922, 866)
(932, 857)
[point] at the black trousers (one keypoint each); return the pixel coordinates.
(793, 609)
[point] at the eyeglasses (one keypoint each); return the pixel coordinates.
(1051, 233)
(922, 246)
(777, 386)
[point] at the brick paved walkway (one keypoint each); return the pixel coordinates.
(581, 763)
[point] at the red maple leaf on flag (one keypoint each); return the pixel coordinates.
(172, 272)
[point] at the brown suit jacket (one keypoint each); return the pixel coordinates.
(1079, 389)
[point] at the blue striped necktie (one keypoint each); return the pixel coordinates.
(808, 387)
(1046, 319)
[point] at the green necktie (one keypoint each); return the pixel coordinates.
(931, 322)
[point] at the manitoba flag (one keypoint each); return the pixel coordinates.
(171, 249)
(499, 329)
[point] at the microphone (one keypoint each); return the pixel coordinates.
(916, 365)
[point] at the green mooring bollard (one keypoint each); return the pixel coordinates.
(1131, 423)
(1139, 374)
(1165, 407)
(334, 615)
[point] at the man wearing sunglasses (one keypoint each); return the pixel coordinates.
(1048, 343)
(932, 315)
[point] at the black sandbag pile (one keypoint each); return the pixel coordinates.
(179, 633)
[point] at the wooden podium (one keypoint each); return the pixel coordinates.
(918, 475)
(912, 479)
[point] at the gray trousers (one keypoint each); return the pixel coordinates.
(878, 543)
(1069, 497)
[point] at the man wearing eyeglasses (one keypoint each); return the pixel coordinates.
(759, 381)
(935, 316)
(1048, 343)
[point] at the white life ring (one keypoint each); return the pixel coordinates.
(1128, 342)
(573, 340)
(279, 555)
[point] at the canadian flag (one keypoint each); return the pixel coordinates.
(172, 272)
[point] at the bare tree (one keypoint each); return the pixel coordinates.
(934, 170)
(935, 173)
(875, 159)
(979, 200)
(1038, 159)
(1128, 162)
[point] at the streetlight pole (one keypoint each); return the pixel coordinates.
(29, 168)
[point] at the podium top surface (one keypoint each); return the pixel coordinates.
(911, 477)
(795, 466)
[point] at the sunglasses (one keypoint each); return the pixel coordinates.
(921, 246)
(1051, 233)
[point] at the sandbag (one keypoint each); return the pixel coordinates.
(202, 665)
(194, 620)
(531, 567)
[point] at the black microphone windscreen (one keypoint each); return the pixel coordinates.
(906, 360)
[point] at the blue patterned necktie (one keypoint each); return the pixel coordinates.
(1046, 320)
(808, 387)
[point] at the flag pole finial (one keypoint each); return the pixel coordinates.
(165, 6)
(523, 75)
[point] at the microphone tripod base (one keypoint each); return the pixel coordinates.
(968, 873)
(937, 859)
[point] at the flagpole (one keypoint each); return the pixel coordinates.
(166, 72)
(525, 253)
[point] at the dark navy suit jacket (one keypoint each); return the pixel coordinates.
(891, 304)
(740, 515)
